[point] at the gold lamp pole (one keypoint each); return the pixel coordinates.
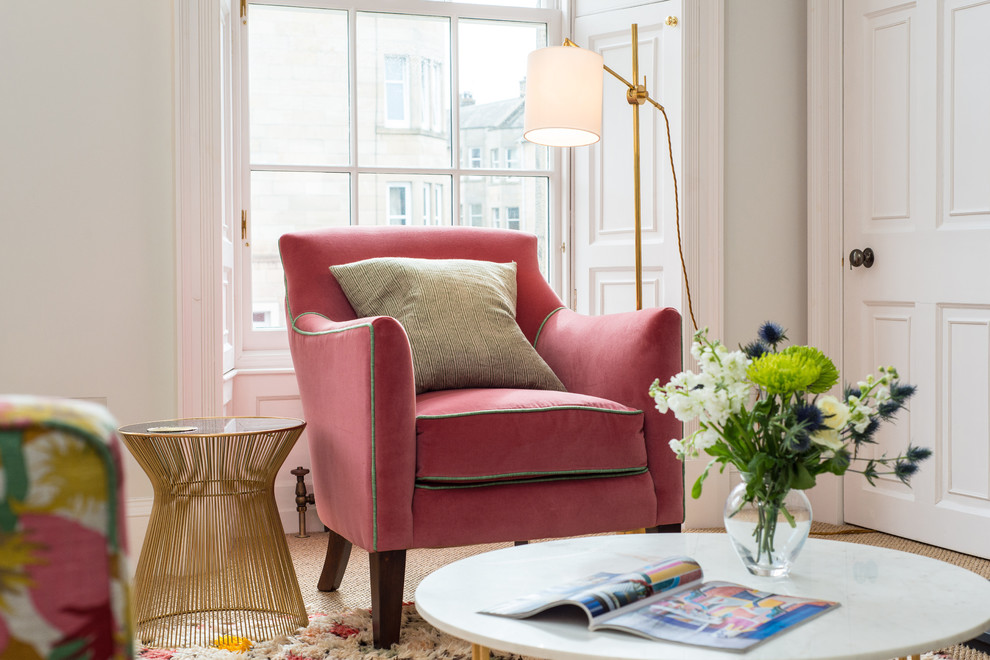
(563, 109)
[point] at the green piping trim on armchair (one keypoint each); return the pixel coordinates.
(540, 330)
(528, 410)
(563, 476)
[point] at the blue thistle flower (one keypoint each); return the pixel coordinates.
(771, 333)
(810, 416)
(851, 391)
(798, 442)
(901, 392)
(889, 408)
(904, 469)
(867, 434)
(917, 454)
(755, 349)
(808, 419)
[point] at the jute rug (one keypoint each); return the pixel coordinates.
(340, 624)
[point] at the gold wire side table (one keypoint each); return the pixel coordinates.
(215, 561)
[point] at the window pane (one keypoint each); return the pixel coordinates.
(520, 202)
(298, 86)
(282, 202)
(403, 70)
(403, 199)
(493, 89)
(534, 4)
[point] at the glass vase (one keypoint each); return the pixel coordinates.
(767, 535)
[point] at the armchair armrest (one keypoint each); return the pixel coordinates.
(617, 357)
(358, 396)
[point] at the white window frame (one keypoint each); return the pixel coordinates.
(199, 115)
(474, 158)
(268, 348)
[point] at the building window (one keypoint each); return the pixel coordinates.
(349, 110)
(512, 217)
(511, 161)
(476, 219)
(496, 220)
(396, 90)
(425, 93)
(438, 205)
(398, 203)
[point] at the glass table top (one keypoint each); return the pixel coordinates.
(212, 426)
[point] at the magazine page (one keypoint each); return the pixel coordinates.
(602, 593)
(717, 614)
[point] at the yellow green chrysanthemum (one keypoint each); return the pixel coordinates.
(795, 369)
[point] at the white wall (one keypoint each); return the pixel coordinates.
(87, 230)
(765, 168)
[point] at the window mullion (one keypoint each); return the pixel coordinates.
(352, 120)
(455, 122)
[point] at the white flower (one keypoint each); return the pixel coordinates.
(735, 365)
(835, 412)
(677, 447)
(705, 438)
(717, 407)
(828, 438)
(686, 405)
(661, 400)
(859, 413)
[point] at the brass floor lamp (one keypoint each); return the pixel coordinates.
(564, 87)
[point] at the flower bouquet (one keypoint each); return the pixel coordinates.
(765, 410)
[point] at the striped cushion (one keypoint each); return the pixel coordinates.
(460, 316)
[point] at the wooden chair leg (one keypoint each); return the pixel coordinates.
(338, 552)
(521, 542)
(388, 572)
(664, 529)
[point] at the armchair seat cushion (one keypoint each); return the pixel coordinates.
(476, 437)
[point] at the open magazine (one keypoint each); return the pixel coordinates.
(667, 600)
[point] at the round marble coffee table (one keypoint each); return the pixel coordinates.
(892, 603)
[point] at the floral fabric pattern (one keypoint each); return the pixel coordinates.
(63, 574)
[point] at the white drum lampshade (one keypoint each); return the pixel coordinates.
(563, 97)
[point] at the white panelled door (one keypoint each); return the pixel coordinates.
(917, 192)
(602, 235)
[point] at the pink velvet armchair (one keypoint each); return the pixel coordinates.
(530, 463)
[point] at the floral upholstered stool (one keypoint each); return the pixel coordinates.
(63, 575)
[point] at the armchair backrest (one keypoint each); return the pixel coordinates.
(308, 255)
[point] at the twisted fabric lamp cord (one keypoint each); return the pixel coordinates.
(677, 212)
